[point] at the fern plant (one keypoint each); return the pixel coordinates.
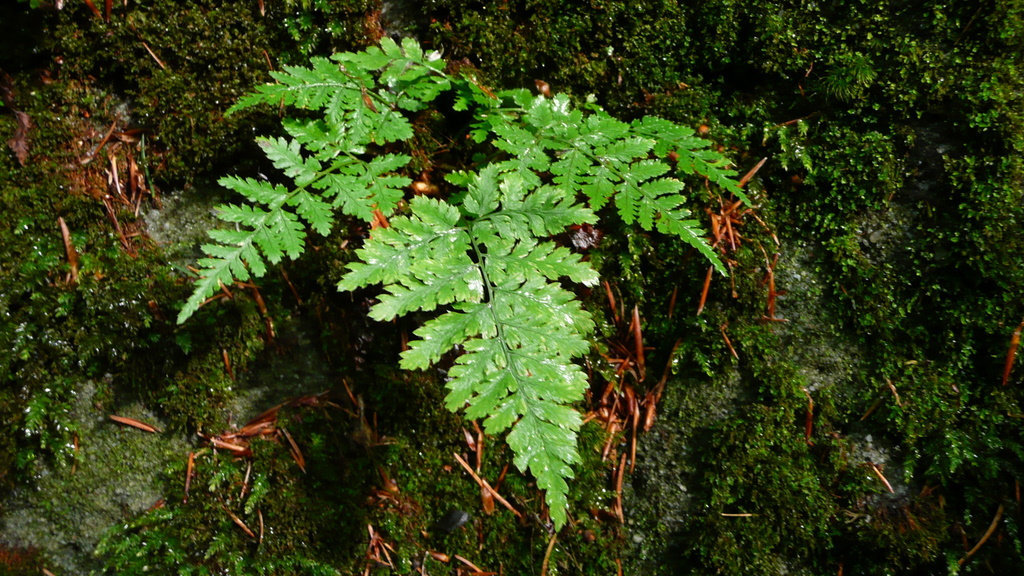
(482, 259)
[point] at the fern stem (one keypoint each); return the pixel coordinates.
(506, 350)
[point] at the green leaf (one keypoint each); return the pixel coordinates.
(508, 262)
(314, 210)
(440, 335)
(256, 190)
(287, 157)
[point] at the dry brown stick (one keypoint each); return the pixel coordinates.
(190, 468)
(238, 522)
(988, 534)
(92, 7)
(611, 301)
(809, 424)
(69, 249)
(547, 555)
(483, 484)
(1011, 354)
(296, 453)
(871, 409)
(618, 490)
(704, 292)
(476, 569)
(894, 392)
(750, 174)
(638, 342)
(660, 387)
(153, 54)
(134, 423)
(479, 445)
(634, 408)
(878, 472)
(295, 293)
(227, 363)
(728, 342)
(245, 480)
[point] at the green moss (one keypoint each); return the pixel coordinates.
(894, 181)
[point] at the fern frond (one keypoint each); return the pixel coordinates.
(482, 260)
(521, 376)
(312, 88)
(693, 153)
(286, 155)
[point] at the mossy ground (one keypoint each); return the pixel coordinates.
(894, 184)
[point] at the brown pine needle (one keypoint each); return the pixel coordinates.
(155, 58)
(69, 250)
(988, 534)
(134, 423)
(259, 515)
(611, 301)
(92, 7)
(483, 484)
(227, 363)
(238, 522)
(638, 342)
(618, 490)
(1011, 354)
(547, 555)
(190, 468)
(750, 174)
(728, 342)
(878, 473)
(894, 392)
(704, 292)
(296, 453)
(476, 569)
(809, 424)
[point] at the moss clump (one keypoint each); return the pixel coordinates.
(895, 171)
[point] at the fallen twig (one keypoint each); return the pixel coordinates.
(547, 555)
(704, 291)
(238, 522)
(988, 534)
(153, 54)
(477, 571)
(750, 174)
(69, 249)
(134, 423)
(728, 342)
(190, 468)
(618, 490)
(296, 453)
(1011, 354)
(638, 341)
(483, 484)
(878, 472)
